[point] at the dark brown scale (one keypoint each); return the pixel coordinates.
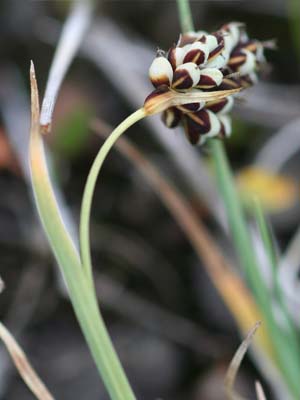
(229, 83)
(250, 45)
(222, 133)
(157, 92)
(218, 50)
(182, 80)
(246, 81)
(226, 71)
(202, 119)
(191, 107)
(160, 81)
(191, 132)
(219, 36)
(171, 117)
(171, 57)
(196, 124)
(205, 82)
(196, 56)
(236, 60)
(216, 106)
(203, 39)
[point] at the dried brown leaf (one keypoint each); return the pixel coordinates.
(236, 362)
(21, 362)
(71, 37)
(7, 157)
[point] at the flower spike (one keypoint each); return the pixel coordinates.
(195, 82)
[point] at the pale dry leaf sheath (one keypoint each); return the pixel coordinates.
(23, 366)
(73, 32)
(158, 102)
(236, 362)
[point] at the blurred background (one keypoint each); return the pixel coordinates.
(173, 333)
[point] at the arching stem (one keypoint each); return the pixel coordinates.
(90, 187)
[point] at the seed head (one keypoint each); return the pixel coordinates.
(208, 68)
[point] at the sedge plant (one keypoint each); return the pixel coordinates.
(194, 86)
(77, 268)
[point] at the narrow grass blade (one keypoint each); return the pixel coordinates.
(73, 32)
(235, 364)
(265, 234)
(288, 361)
(81, 292)
(270, 250)
(282, 146)
(237, 223)
(260, 394)
(22, 364)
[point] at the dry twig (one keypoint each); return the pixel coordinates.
(22, 364)
(235, 364)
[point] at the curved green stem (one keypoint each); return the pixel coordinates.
(90, 188)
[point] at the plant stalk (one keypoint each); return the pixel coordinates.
(185, 16)
(90, 188)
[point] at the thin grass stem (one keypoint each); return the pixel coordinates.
(90, 188)
(287, 356)
(185, 16)
(21, 362)
(270, 250)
